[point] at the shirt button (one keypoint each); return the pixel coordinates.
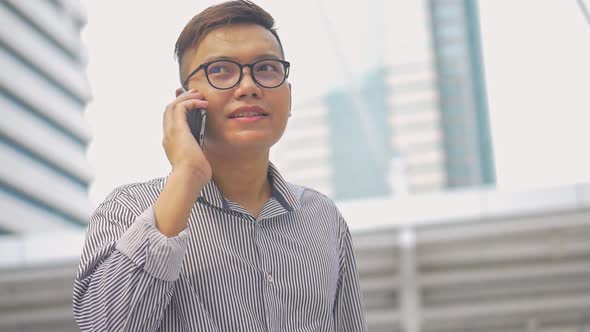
(269, 277)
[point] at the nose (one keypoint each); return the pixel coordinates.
(247, 86)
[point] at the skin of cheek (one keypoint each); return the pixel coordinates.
(222, 133)
(225, 134)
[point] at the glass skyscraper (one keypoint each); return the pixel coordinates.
(462, 94)
(416, 118)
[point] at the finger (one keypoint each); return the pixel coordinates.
(189, 100)
(167, 118)
(190, 104)
(191, 94)
(181, 90)
(183, 107)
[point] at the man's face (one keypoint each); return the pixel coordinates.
(243, 43)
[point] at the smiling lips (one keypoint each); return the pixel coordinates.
(249, 113)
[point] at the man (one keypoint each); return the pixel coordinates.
(223, 243)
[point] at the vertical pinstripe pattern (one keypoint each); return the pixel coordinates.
(292, 269)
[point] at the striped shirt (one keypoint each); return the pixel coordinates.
(290, 269)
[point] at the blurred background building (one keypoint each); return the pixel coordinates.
(409, 117)
(419, 105)
(476, 260)
(44, 174)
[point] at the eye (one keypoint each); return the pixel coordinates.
(268, 66)
(221, 67)
(215, 69)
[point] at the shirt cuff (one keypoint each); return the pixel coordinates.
(159, 255)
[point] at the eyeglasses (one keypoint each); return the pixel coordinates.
(225, 74)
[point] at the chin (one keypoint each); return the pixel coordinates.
(253, 139)
(241, 145)
(252, 145)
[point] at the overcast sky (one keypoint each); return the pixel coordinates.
(536, 61)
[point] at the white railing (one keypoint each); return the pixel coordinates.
(524, 268)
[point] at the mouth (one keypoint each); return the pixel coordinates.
(248, 112)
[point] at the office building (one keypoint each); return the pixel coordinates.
(44, 174)
(420, 108)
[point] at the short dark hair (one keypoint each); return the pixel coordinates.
(226, 13)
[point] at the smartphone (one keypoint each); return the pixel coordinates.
(197, 119)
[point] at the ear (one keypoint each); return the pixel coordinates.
(290, 97)
(180, 91)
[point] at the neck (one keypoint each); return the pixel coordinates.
(242, 178)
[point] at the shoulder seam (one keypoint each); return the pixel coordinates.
(123, 190)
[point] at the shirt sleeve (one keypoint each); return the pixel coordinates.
(127, 270)
(349, 313)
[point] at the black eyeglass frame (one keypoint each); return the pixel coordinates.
(205, 66)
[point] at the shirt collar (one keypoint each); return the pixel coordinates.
(282, 191)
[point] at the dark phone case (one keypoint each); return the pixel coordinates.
(196, 121)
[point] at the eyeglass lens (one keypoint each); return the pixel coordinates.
(225, 74)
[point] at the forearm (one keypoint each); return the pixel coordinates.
(176, 200)
(127, 285)
(119, 296)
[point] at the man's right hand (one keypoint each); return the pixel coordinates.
(190, 169)
(182, 150)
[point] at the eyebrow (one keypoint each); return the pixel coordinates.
(223, 57)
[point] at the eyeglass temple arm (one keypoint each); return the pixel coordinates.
(191, 75)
